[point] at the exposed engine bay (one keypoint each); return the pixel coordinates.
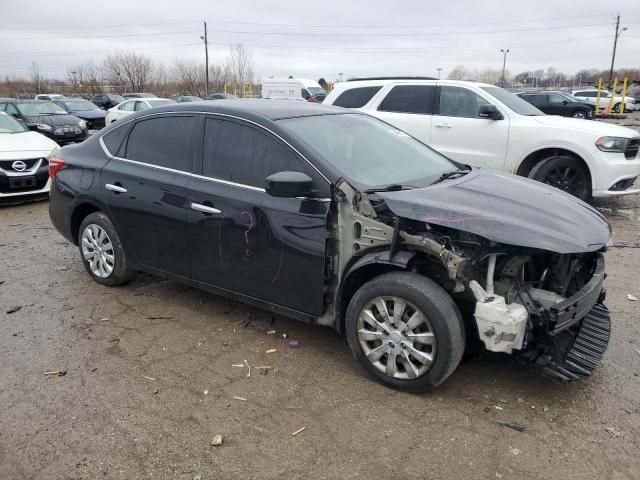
(529, 301)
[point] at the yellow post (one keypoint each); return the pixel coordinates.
(235, 91)
(251, 88)
(624, 93)
(225, 87)
(598, 96)
(613, 93)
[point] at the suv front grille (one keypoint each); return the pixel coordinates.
(632, 148)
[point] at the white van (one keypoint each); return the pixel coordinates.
(290, 87)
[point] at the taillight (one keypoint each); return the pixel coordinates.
(55, 164)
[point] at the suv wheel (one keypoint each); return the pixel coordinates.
(564, 172)
(580, 114)
(405, 330)
(102, 252)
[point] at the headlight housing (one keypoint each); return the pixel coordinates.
(612, 144)
(43, 126)
(82, 124)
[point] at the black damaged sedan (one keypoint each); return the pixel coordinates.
(336, 218)
(47, 118)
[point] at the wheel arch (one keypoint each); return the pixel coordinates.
(79, 213)
(533, 158)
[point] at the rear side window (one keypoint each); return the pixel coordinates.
(356, 97)
(242, 154)
(113, 139)
(162, 141)
(409, 99)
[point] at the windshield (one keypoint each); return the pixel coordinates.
(116, 98)
(80, 105)
(158, 103)
(513, 102)
(367, 150)
(314, 90)
(40, 108)
(8, 124)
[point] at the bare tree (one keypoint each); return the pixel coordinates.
(132, 71)
(35, 75)
(459, 72)
(189, 76)
(240, 63)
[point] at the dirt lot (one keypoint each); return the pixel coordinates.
(150, 381)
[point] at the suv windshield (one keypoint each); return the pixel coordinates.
(10, 125)
(513, 102)
(40, 108)
(368, 151)
(80, 105)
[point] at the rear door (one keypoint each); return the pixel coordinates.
(145, 191)
(410, 108)
(242, 239)
(461, 134)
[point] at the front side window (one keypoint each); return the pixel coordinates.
(460, 102)
(356, 97)
(368, 151)
(409, 99)
(162, 141)
(556, 99)
(127, 106)
(242, 154)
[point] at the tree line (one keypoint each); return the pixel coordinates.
(129, 71)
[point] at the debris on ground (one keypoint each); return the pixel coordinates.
(487, 409)
(514, 451)
(206, 392)
(159, 318)
(520, 400)
(515, 425)
(497, 407)
(14, 309)
(264, 370)
(300, 430)
(271, 332)
(150, 379)
(197, 477)
(293, 343)
(271, 350)
(631, 298)
(61, 269)
(59, 373)
(156, 391)
(242, 399)
(613, 432)
(216, 441)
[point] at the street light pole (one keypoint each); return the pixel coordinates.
(439, 70)
(504, 63)
(615, 46)
(206, 61)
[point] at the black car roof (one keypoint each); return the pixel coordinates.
(271, 109)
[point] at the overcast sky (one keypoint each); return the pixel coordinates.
(321, 39)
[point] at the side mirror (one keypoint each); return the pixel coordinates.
(288, 184)
(565, 102)
(490, 111)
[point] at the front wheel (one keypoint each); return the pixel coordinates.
(580, 114)
(405, 330)
(564, 172)
(616, 108)
(102, 252)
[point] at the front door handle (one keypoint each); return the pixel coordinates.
(443, 125)
(198, 207)
(115, 188)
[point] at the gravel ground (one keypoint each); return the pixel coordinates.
(149, 381)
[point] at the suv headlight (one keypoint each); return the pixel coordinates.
(82, 124)
(612, 144)
(43, 126)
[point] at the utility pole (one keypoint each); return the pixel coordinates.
(206, 61)
(439, 70)
(615, 45)
(504, 63)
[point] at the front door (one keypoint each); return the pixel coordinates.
(145, 192)
(242, 239)
(458, 132)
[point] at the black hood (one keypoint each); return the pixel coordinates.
(89, 114)
(54, 120)
(507, 209)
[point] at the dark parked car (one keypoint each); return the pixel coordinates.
(84, 109)
(47, 118)
(138, 95)
(186, 98)
(337, 218)
(558, 103)
(107, 100)
(220, 96)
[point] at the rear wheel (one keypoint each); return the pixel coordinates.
(616, 108)
(405, 330)
(102, 252)
(564, 172)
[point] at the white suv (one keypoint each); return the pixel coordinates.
(591, 95)
(485, 126)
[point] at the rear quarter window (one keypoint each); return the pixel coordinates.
(113, 140)
(356, 97)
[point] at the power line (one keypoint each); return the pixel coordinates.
(190, 32)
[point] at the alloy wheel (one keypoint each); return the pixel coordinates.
(97, 249)
(396, 337)
(568, 179)
(579, 115)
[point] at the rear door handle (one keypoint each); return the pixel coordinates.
(115, 188)
(198, 207)
(443, 125)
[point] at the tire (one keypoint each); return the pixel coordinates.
(565, 173)
(98, 240)
(580, 114)
(443, 323)
(616, 108)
